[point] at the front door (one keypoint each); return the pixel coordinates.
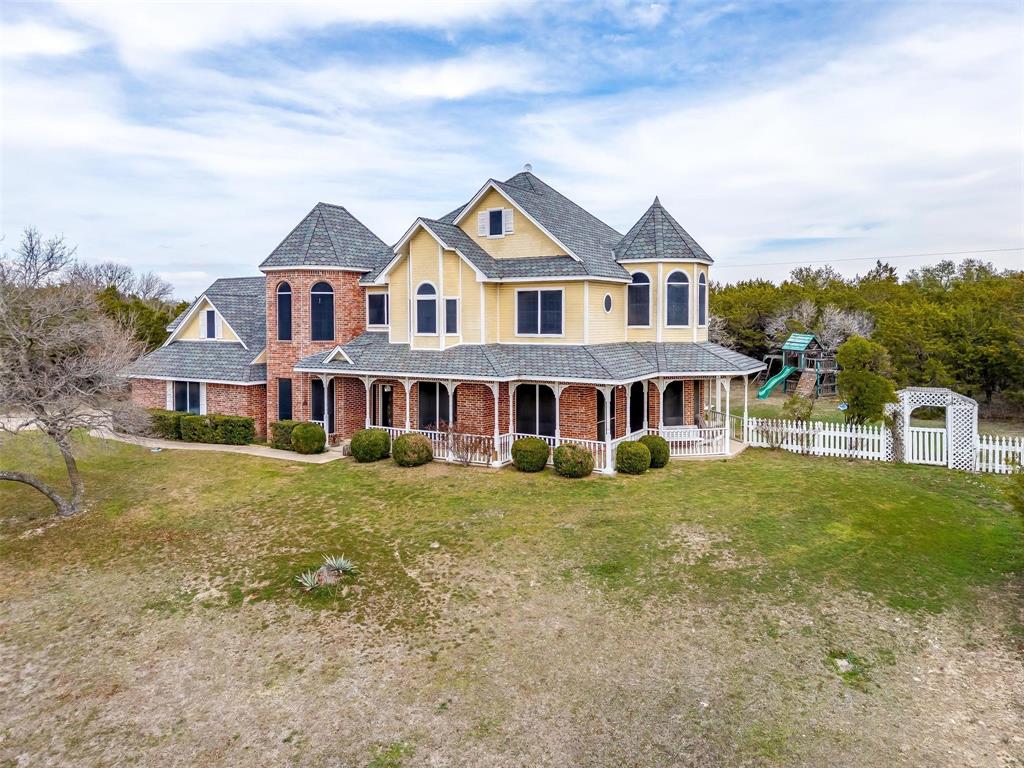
(383, 406)
(316, 406)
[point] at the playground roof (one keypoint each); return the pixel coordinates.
(798, 342)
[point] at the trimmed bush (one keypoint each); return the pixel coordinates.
(370, 445)
(632, 458)
(530, 454)
(411, 450)
(218, 428)
(573, 460)
(166, 424)
(308, 437)
(658, 446)
(281, 434)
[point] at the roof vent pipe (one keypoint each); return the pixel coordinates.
(528, 168)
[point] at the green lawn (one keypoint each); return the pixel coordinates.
(771, 566)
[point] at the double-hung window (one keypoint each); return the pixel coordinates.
(639, 300)
(678, 299)
(539, 313)
(186, 396)
(321, 311)
(377, 309)
(451, 316)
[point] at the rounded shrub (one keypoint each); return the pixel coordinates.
(308, 437)
(573, 460)
(658, 446)
(530, 454)
(632, 458)
(411, 450)
(370, 445)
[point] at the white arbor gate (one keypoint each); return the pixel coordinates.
(954, 446)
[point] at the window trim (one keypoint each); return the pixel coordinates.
(490, 212)
(387, 309)
(702, 282)
(284, 288)
(629, 285)
(538, 334)
(458, 316)
(608, 304)
(334, 309)
(200, 395)
(685, 282)
(416, 313)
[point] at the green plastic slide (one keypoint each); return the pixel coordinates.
(774, 381)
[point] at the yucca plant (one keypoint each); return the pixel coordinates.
(341, 565)
(308, 580)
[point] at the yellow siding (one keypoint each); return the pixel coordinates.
(425, 266)
(637, 333)
(192, 329)
(607, 327)
(492, 315)
(526, 240)
(470, 309)
(398, 288)
(452, 290)
(572, 308)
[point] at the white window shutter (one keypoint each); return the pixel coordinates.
(202, 398)
(508, 222)
(202, 324)
(218, 326)
(170, 395)
(481, 223)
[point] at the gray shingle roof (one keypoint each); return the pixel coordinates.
(197, 360)
(330, 236)
(372, 353)
(242, 303)
(657, 235)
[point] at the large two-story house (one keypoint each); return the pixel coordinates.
(517, 313)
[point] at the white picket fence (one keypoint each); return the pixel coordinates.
(1000, 454)
(818, 438)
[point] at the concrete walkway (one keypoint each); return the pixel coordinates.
(333, 453)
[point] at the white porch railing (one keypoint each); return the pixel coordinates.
(456, 447)
(692, 441)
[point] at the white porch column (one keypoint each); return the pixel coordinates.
(408, 402)
(558, 412)
(629, 413)
(494, 387)
(647, 398)
(661, 404)
(609, 393)
(369, 402)
(451, 402)
(327, 413)
(718, 394)
(511, 409)
(728, 424)
(746, 396)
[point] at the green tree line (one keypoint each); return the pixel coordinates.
(958, 326)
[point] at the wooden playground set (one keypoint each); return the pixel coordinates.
(802, 367)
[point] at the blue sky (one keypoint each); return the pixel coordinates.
(189, 138)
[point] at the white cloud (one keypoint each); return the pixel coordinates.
(147, 33)
(22, 39)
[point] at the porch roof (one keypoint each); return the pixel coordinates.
(200, 361)
(372, 354)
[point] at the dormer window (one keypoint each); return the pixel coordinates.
(495, 222)
(210, 326)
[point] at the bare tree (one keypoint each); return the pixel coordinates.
(61, 359)
(836, 325)
(104, 275)
(718, 332)
(799, 318)
(152, 288)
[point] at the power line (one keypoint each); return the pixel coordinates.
(719, 265)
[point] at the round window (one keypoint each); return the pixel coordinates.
(607, 302)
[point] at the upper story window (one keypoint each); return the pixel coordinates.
(639, 303)
(677, 299)
(209, 324)
(426, 309)
(377, 309)
(284, 312)
(702, 300)
(495, 222)
(539, 313)
(321, 312)
(451, 316)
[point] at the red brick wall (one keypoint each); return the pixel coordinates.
(149, 393)
(237, 400)
(577, 415)
(475, 404)
(620, 412)
(350, 406)
(229, 399)
(349, 322)
(653, 405)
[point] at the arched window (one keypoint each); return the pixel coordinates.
(702, 300)
(426, 309)
(284, 312)
(677, 299)
(535, 410)
(321, 312)
(640, 300)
